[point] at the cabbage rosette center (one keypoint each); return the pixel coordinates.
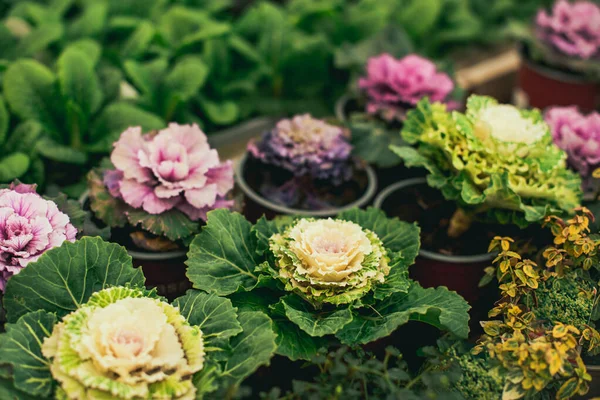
(124, 345)
(329, 261)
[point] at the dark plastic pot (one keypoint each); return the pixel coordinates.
(240, 134)
(163, 271)
(256, 205)
(543, 87)
(459, 273)
(594, 392)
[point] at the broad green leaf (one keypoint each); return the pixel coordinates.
(78, 81)
(173, 224)
(139, 41)
(39, 39)
(29, 89)
(291, 342)
(64, 277)
(91, 22)
(110, 79)
(119, 116)
(21, 348)
(51, 150)
(13, 166)
(396, 235)
(9, 392)
(222, 257)
(89, 47)
(4, 120)
(146, 76)
(220, 113)
(251, 348)
(265, 228)
(436, 306)
(372, 140)
(315, 322)
(186, 77)
(420, 16)
(397, 280)
(215, 315)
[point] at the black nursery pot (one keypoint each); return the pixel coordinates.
(348, 104)
(164, 271)
(257, 205)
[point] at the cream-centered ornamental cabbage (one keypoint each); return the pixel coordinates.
(131, 348)
(327, 260)
(505, 123)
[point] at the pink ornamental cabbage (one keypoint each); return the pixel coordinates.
(578, 135)
(393, 86)
(571, 28)
(29, 225)
(174, 168)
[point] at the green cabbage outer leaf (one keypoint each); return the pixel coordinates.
(295, 271)
(87, 367)
(508, 167)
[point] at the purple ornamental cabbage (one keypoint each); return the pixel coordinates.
(174, 168)
(571, 28)
(578, 135)
(393, 86)
(29, 225)
(306, 146)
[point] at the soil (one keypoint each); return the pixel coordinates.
(314, 193)
(427, 206)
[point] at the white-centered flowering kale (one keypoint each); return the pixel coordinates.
(82, 326)
(322, 281)
(495, 160)
(329, 261)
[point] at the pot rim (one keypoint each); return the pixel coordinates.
(340, 105)
(248, 191)
(244, 130)
(432, 255)
(141, 255)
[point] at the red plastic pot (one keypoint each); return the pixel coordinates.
(255, 205)
(163, 271)
(544, 87)
(458, 273)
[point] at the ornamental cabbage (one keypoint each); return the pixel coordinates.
(571, 28)
(330, 261)
(123, 345)
(322, 281)
(578, 135)
(495, 161)
(394, 86)
(29, 225)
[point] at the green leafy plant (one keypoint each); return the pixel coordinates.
(497, 162)
(352, 288)
(73, 106)
(86, 300)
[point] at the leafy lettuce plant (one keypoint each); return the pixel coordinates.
(74, 105)
(100, 333)
(496, 161)
(161, 184)
(322, 282)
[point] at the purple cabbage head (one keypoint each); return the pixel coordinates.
(571, 28)
(306, 146)
(578, 135)
(393, 86)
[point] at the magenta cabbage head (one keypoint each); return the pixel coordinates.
(578, 135)
(29, 225)
(173, 168)
(306, 146)
(394, 86)
(572, 29)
